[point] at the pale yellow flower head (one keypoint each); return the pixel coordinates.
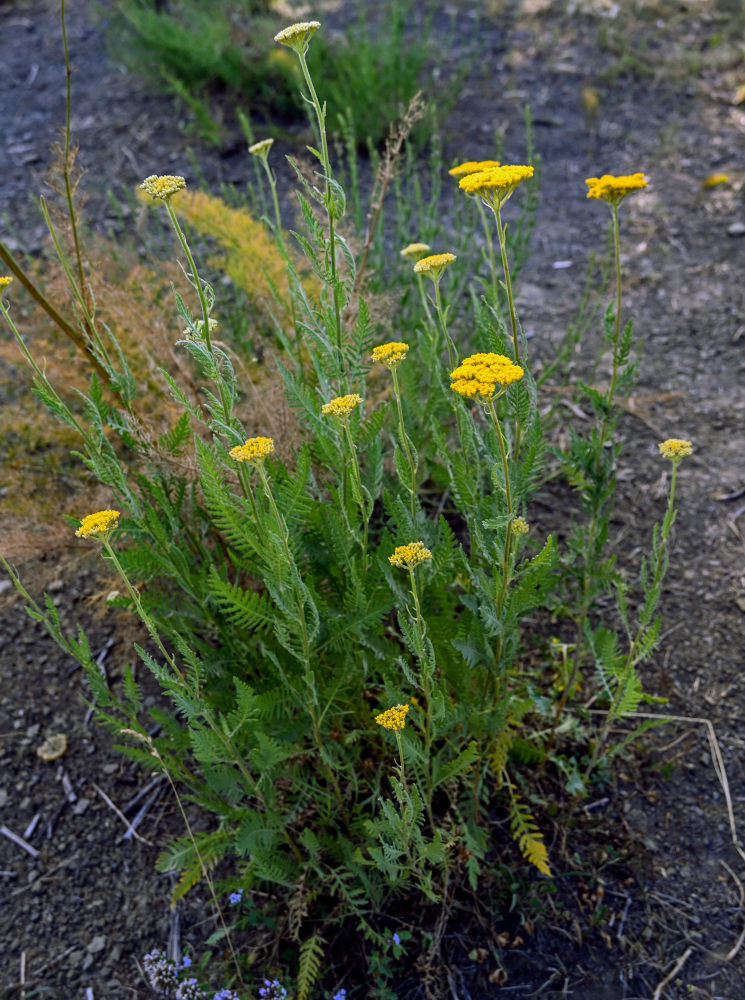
(188, 334)
(255, 450)
(341, 406)
(480, 374)
(434, 265)
(297, 36)
(520, 526)
(5, 280)
(614, 189)
(496, 184)
(98, 525)
(262, 147)
(675, 448)
(163, 186)
(472, 167)
(410, 556)
(415, 251)
(393, 718)
(391, 355)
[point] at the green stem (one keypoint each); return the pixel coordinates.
(356, 475)
(426, 670)
(513, 313)
(489, 248)
(604, 427)
(405, 441)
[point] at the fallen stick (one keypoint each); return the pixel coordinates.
(130, 830)
(672, 973)
(19, 840)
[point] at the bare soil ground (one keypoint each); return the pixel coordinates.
(648, 900)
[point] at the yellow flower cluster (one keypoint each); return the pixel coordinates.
(520, 526)
(297, 36)
(416, 250)
(254, 450)
(675, 448)
(410, 556)
(496, 184)
(261, 148)
(391, 355)
(187, 333)
(341, 406)
(434, 265)
(480, 374)
(614, 189)
(472, 167)
(393, 718)
(100, 523)
(5, 280)
(164, 186)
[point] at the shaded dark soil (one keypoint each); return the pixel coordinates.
(649, 876)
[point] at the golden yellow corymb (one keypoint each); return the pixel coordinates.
(410, 556)
(480, 374)
(297, 36)
(393, 718)
(614, 189)
(473, 167)
(101, 523)
(415, 250)
(391, 355)
(341, 406)
(254, 450)
(496, 184)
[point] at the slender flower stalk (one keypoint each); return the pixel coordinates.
(391, 355)
(341, 407)
(475, 167)
(261, 150)
(297, 37)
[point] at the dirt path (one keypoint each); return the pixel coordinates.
(89, 903)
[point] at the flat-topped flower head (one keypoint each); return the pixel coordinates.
(297, 36)
(520, 526)
(341, 406)
(5, 280)
(480, 374)
(391, 355)
(255, 450)
(262, 147)
(614, 189)
(675, 449)
(496, 184)
(98, 525)
(163, 186)
(415, 251)
(473, 167)
(434, 265)
(410, 556)
(393, 718)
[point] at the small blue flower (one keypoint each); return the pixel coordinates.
(236, 897)
(272, 990)
(185, 962)
(396, 939)
(340, 995)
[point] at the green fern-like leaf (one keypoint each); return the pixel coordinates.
(309, 971)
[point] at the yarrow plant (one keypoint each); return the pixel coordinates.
(381, 548)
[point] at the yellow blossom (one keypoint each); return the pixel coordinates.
(261, 148)
(520, 526)
(297, 36)
(416, 250)
(341, 406)
(675, 448)
(480, 374)
(714, 179)
(409, 556)
(472, 167)
(434, 265)
(393, 718)
(614, 189)
(391, 355)
(102, 522)
(254, 450)
(164, 186)
(5, 280)
(496, 184)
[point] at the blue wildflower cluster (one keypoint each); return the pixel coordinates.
(272, 990)
(188, 990)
